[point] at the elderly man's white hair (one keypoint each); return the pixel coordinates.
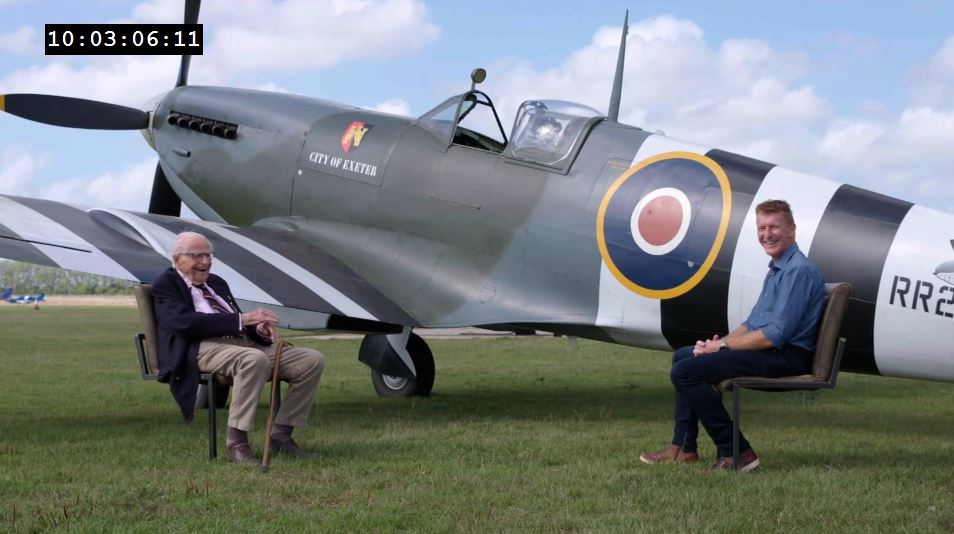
(178, 246)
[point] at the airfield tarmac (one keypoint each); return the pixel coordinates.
(88, 300)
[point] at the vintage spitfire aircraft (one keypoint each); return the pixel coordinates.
(27, 299)
(349, 219)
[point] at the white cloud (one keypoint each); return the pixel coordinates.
(302, 35)
(128, 188)
(741, 95)
(744, 96)
(23, 42)
(743, 62)
(847, 141)
(161, 12)
(127, 80)
(663, 29)
(18, 166)
(907, 156)
(933, 80)
(271, 87)
(930, 130)
(308, 35)
(394, 106)
(738, 94)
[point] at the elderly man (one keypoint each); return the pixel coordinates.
(777, 339)
(201, 329)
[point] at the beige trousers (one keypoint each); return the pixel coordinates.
(250, 366)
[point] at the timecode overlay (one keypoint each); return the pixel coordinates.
(123, 39)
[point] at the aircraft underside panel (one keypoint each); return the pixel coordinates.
(266, 266)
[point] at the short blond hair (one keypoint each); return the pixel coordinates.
(776, 206)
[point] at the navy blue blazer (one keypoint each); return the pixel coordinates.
(181, 329)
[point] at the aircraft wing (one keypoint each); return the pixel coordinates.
(271, 267)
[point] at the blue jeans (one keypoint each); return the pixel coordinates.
(697, 400)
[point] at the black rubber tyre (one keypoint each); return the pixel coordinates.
(393, 386)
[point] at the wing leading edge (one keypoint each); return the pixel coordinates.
(264, 266)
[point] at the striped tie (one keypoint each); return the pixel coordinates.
(210, 298)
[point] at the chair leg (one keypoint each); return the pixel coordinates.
(213, 436)
(736, 399)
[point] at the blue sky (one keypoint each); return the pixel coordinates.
(854, 91)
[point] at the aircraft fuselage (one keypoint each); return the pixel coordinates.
(457, 235)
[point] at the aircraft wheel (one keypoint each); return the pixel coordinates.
(398, 386)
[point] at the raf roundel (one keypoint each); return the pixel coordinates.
(660, 221)
(661, 224)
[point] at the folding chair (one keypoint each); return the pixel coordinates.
(146, 346)
(829, 348)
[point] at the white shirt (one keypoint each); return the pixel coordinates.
(198, 299)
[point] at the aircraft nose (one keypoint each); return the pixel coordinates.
(150, 107)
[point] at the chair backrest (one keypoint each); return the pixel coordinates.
(827, 343)
(148, 315)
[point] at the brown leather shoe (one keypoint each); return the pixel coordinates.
(748, 461)
(289, 447)
(241, 453)
(673, 454)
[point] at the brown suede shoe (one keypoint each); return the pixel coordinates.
(673, 454)
(748, 461)
(241, 453)
(289, 447)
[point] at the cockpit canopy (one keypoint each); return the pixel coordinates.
(469, 120)
(546, 131)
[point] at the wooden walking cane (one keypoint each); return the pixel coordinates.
(272, 398)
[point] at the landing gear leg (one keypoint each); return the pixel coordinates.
(393, 385)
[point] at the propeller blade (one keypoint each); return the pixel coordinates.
(164, 200)
(191, 17)
(74, 112)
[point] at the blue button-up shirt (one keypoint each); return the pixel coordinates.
(791, 303)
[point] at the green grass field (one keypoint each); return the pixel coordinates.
(521, 434)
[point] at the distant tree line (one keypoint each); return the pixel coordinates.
(28, 278)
